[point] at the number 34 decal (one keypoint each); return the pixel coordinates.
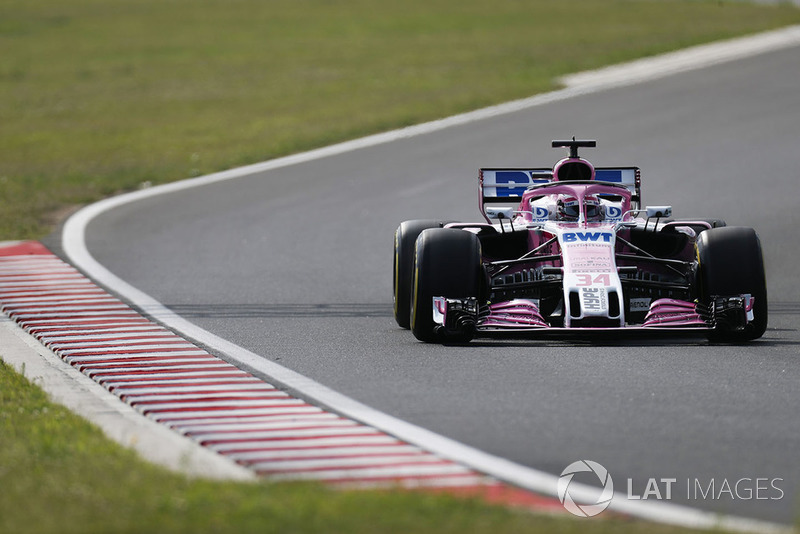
(589, 280)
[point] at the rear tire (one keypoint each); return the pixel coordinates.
(447, 264)
(731, 263)
(405, 242)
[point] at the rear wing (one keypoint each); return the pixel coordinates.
(506, 186)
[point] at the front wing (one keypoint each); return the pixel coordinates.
(522, 316)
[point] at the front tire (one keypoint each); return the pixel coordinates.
(405, 242)
(731, 263)
(447, 264)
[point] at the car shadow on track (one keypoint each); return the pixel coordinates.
(280, 311)
(776, 336)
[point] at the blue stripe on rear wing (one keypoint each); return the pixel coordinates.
(617, 176)
(508, 185)
(504, 183)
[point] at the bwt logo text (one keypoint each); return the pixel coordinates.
(578, 237)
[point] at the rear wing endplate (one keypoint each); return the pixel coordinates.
(507, 186)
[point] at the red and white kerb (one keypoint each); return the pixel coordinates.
(209, 400)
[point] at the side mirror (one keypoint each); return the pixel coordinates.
(500, 212)
(658, 211)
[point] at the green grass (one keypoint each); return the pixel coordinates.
(99, 96)
(58, 474)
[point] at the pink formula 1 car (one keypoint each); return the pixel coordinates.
(570, 250)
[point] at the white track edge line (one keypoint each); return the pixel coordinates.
(74, 246)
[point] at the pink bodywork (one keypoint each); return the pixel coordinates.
(524, 314)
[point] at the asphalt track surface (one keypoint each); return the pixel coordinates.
(295, 264)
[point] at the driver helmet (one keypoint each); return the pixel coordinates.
(568, 208)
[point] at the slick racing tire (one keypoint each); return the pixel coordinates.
(447, 264)
(405, 242)
(731, 264)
